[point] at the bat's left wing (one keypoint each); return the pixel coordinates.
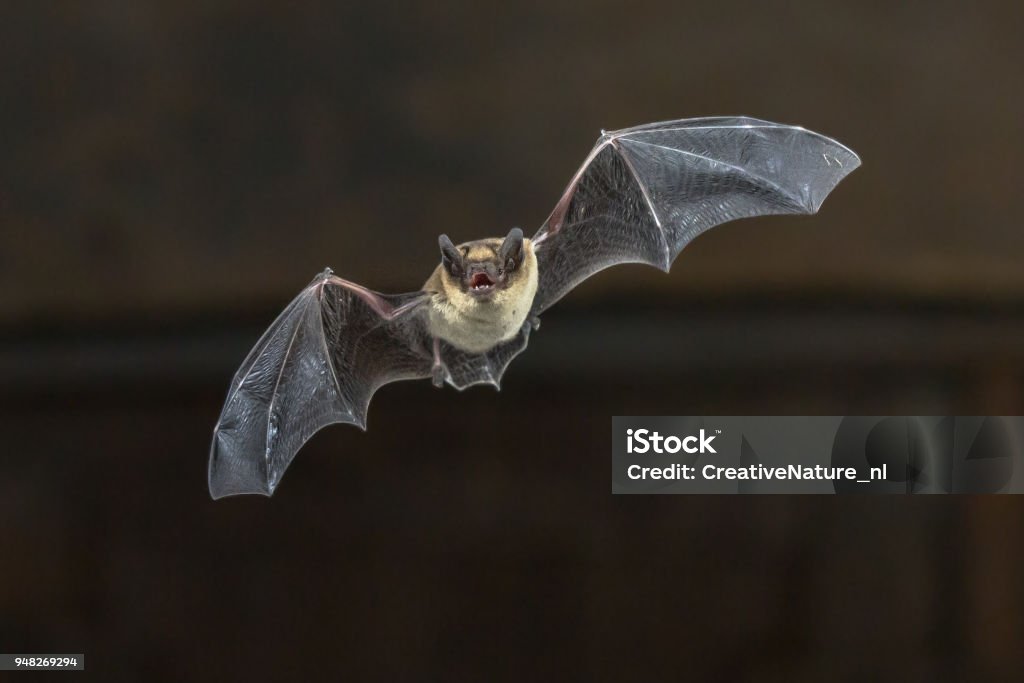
(644, 193)
(319, 363)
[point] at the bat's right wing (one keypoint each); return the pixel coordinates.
(644, 193)
(319, 363)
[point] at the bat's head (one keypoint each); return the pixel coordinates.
(485, 267)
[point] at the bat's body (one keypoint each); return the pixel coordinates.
(641, 196)
(473, 320)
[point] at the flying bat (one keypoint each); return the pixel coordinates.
(641, 195)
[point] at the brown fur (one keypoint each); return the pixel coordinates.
(475, 325)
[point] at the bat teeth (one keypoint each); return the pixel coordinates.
(481, 281)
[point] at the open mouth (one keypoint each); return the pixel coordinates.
(480, 283)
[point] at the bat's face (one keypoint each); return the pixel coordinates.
(483, 268)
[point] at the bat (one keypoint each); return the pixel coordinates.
(641, 195)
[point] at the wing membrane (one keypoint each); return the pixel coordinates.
(319, 363)
(468, 369)
(644, 193)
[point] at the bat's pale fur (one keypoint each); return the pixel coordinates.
(478, 325)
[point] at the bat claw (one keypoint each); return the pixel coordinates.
(437, 376)
(535, 322)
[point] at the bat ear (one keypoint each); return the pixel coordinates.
(512, 247)
(451, 257)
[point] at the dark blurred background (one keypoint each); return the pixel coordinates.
(172, 173)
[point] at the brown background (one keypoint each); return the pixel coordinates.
(172, 173)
